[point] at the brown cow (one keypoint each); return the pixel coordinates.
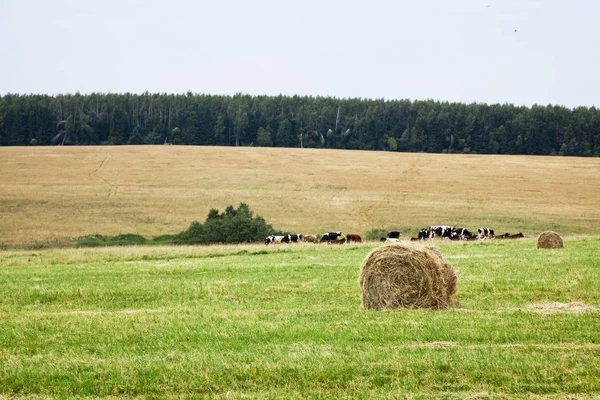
(311, 239)
(353, 238)
(338, 241)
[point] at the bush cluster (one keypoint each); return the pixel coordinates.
(231, 226)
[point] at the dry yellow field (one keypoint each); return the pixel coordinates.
(53, 193)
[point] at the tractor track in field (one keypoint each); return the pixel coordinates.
(112, 188)
(102, 164)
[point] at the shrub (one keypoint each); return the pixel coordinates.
(127, 239)
(232, 226)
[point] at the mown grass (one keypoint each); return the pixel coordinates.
(285, 322)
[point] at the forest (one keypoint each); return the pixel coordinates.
(298, 121)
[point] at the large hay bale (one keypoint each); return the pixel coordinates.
(402, 275)
(550, 240)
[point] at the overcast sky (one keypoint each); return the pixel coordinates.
(521, 52)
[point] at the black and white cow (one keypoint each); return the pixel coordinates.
(393, 235)
(485, 233)
(292, 238)
(273, 239)
(442, 231)
(461, 233)
(423, 234)
(329, 236)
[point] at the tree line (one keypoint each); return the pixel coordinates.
(298, 121)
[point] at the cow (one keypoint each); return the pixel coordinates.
(310, 238)
(393, 235)
(392, 240)
(423, 234)
(273, 239)
(509, 236)
(337, 241)
(330, 236)
(485, 233)
(414, 239)
(353, 238)
(292, 238)
(462, 233)
(442, 231)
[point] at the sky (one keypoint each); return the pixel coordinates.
(517, 52)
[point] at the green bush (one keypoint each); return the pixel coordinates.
(232, 226)
(164, 239)
(126, 239)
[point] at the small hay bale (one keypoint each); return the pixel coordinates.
(550, 240)
(402, 275)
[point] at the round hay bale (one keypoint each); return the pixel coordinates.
(550, 240)
(402, 275)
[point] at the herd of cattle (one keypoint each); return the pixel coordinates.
(329, 237)
(443, 231)
(452, 233)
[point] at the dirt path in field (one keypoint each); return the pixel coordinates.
(112, 188)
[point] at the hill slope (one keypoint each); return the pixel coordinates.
(49, 193)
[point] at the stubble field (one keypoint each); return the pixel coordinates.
(54, 193)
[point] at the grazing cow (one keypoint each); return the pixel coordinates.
(310, 238)
(442, 231)
(293, 238)
(414, 239)
(509, 236)
(330, 236)
(485, 233)
(273, 239)
(337, 241)
(393, 235)
(353, 238)
(462, 233)
(423, 234)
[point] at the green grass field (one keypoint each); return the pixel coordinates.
(285, 322)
